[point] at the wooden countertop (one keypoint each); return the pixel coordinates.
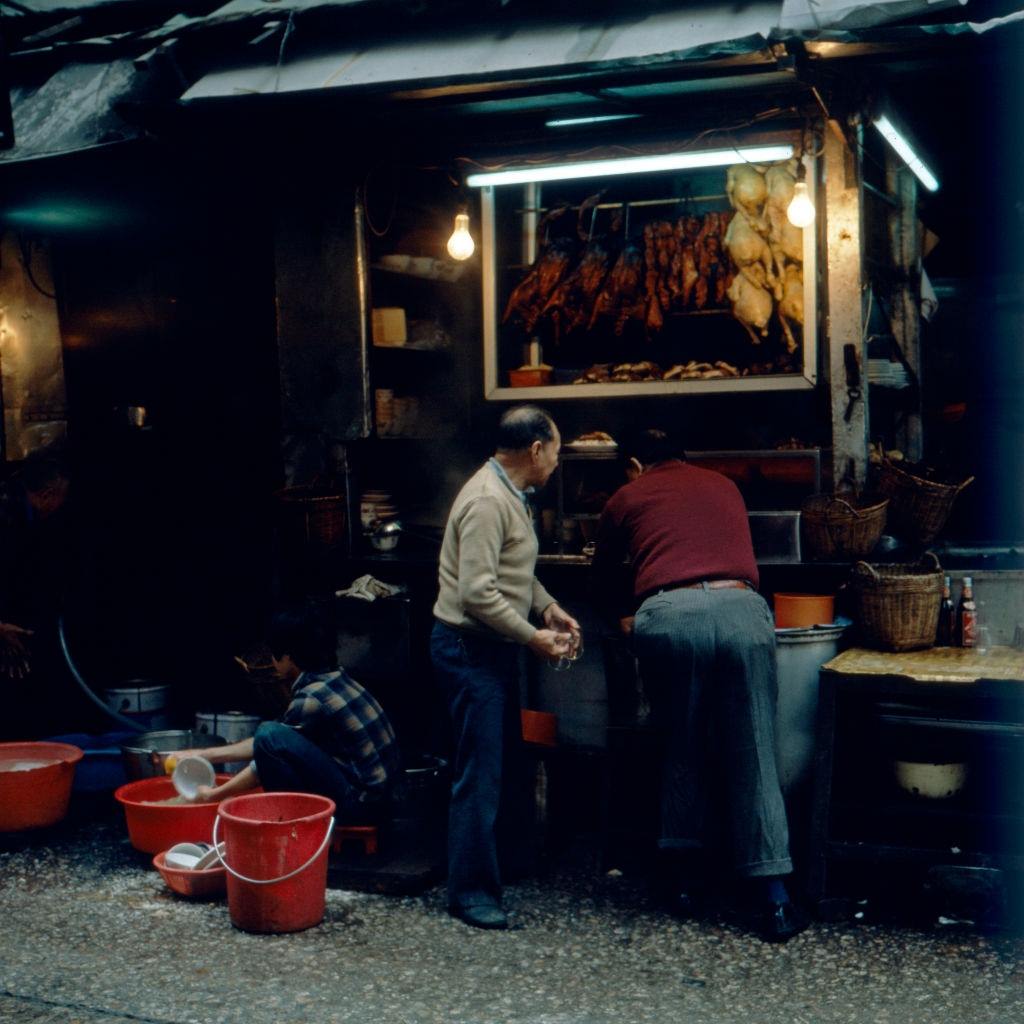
(937, 664)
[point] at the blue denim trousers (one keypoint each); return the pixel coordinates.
(479, 678)
(708, 659)
(288, 762)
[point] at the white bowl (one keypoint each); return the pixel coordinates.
(190, 773)
(929, 780)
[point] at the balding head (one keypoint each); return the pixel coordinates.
(520, 426)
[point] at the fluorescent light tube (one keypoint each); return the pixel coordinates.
(567, 122)
(907, 154)
(632, 165)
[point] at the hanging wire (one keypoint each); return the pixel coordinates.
(25, 249)
(379, 232)
(769, 114)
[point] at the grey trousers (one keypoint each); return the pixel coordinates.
(708, 659)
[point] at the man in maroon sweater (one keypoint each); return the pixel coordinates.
(705, 640)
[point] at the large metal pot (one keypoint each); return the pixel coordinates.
(137, 753)
(232, 725)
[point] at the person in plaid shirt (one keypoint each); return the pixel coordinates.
(334, 739)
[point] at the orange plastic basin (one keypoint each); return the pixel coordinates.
(35, 783)
(153, 826)
(794, 611)
(208, 884)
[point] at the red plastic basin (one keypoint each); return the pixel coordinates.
(154, 827)
(201, 885)
(35, 783)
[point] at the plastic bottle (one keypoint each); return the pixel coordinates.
(946, 630)
(967, 616)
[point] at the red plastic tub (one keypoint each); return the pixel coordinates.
(35, 783)
(154, 827)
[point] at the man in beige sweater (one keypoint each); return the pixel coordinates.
(487, 593)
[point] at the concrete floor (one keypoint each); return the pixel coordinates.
(88, 934)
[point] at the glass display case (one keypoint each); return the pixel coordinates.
(661, 282)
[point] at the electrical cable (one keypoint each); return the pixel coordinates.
(84, 686)
(25, 249)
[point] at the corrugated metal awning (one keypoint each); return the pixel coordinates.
(527, 51)
(78, 108)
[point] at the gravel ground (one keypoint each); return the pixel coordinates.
(88, 934)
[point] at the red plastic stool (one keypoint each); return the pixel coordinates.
(365, 834)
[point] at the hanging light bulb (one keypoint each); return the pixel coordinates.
(801, 209)
(461, 245)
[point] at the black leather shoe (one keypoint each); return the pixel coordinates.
(484, 916)
(779, 922)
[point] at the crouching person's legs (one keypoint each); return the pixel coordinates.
(288, 762)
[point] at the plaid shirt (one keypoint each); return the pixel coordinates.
(340, 717)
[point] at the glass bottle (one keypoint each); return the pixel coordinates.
(967, 615)
(945, 632)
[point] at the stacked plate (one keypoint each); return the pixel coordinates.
(884, 373)
(375, 509)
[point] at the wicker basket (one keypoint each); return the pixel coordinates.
(838, 530)
(918, 507)
(898, 605)
(312, 518)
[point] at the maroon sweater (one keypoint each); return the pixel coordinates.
(676, 524)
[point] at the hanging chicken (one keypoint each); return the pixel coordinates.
(766, 249)
(751, 305)
(785, 239)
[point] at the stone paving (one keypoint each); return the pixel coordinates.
(88, 934)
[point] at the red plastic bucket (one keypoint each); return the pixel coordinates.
(276, 857)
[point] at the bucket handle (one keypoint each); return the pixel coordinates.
(270, 881)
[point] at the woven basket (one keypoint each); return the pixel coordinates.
(838, 530)
(918, 507)
(312, 518)
(898, 605)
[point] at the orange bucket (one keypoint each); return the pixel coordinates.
(276, 858)
(540, 727)
(803, 610)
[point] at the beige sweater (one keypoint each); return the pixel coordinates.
(487, 562)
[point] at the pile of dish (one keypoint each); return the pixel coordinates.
(375, 509)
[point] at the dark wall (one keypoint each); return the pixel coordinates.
(968, 116)
(166, 302)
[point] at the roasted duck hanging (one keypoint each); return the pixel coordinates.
(531, 295)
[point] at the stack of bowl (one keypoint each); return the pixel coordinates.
(375, 509)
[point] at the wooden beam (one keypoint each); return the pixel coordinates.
(844, 330)
(905, 247)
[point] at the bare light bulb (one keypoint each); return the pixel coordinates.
(461, 245)
(800, 210)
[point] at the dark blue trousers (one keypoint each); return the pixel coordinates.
(479, 678)
(288, 762)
